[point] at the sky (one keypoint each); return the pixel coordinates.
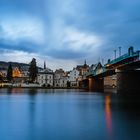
(65, 33)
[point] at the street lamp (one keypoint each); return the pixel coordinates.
(115, 53)
(120, 51)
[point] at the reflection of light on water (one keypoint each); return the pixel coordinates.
(108, 114)
(16, 90)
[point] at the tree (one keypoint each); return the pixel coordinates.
(33, 70)
(9, 73)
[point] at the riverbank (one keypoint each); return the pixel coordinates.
(23, 85)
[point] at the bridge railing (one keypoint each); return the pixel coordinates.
(96, 72)
(90, 73)
(123, 57)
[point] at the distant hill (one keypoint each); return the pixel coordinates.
(22, 66)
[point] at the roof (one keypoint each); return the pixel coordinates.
(82, 66)
(95, 66)
(46, 71)
(59, 71)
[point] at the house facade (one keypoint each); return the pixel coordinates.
(73, 77)
(61, 78)
(45, 78)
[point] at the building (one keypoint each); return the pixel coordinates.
(45, 77)
(83, 69)
(17, 72)
(18, 75)
(73, 77)
(61, 78)
(96, 68)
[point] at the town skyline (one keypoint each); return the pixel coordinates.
(45, 63)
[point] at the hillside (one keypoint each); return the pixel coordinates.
(22, 66)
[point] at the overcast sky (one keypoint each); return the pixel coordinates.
(66, 32)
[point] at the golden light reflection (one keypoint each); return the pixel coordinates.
(17, 90)
(108, 114)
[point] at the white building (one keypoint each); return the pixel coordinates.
(73, 77)
(45, 78)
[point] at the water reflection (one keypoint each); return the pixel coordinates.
(108, 114)
(16, 90)
(12, 90)
(32, 91)
(72, 115)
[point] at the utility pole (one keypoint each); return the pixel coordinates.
(115, 53)
(120, 50)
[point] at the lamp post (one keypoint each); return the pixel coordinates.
(115, 53)
(120, 51)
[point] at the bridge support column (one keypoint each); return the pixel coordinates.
(96, 84)
(128, 82)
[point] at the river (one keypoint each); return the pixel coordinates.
(41, 114)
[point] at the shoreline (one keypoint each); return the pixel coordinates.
(106, 89)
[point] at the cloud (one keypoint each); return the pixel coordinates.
(72, 43)
(81, 41)
(22, 29)
(69, 31)
(16, 56)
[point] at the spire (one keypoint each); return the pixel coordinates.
(85, 62)
(85, 65)
(44, 65)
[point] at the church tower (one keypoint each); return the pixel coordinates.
(44, 65)
(85, 62)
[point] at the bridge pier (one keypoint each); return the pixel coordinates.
(96, 84)
(128, 82)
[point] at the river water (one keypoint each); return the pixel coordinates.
(40, 114)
